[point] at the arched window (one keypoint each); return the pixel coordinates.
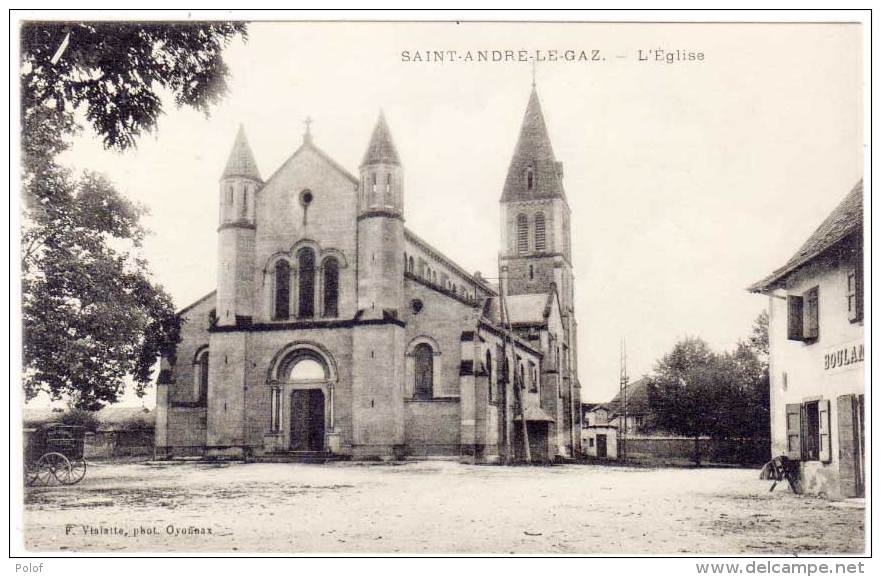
(540, 235)
(424, 388)
(306, 264)
(331, 287)
(243, 210)
(388, 189)
(434, 276)
(229, 195)
(533, 378)
(522, 374)
(282, 308)
(306, 369)
(410, 265)
(530, 179)
(522, 233)
(489, 376)
(200, 376)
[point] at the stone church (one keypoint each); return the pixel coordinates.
(336, 330)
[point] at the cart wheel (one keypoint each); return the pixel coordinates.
(77, 472)
(51, 468)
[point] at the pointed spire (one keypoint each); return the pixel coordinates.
(381, 149)
(534, 171)
(241, 159)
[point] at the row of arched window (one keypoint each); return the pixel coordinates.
(423, 388)
(539, 232)
(527, 372)
(245, 209)
(306, 285)
(381, 189)
(431, 275)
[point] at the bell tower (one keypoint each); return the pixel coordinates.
(537, 248)
(536, 237)
(236, 231)
(378, 338)
(380, 226)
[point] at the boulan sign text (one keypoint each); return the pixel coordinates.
(843, 356)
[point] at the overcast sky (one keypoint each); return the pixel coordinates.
(687, 181)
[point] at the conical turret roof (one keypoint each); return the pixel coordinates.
(241, 159)
(381, 149)
(533, 151)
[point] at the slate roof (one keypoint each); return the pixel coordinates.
(637, 399)
(526, 309)
(846, 219)
(241, 160)
(533, 150)
(534, 413)
(381, 149)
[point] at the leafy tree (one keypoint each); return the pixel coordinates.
(758, 340)
(696, 392)
(680, 389)
(91, 312)
(113, 72)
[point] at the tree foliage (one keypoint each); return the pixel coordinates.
(695, 391)
(92, 314)
(114, 71)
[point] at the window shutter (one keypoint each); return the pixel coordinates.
(857, 312)
(796, 319)
(793, 431)
(825, 437)
(812, 314)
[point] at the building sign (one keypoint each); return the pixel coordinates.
(843, 357)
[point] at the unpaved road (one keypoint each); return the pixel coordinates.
(433, 507)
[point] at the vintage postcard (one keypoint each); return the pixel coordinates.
(441, 287)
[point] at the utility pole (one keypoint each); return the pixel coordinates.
(622, 446)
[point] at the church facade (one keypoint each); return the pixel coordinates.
(334, 329)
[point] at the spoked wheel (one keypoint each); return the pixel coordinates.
(49, 469)
(74, 475)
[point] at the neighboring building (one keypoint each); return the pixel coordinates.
(599, 436)
(335, 329)
(605, 422)
(817, 358)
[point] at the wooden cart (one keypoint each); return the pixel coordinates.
(54, 455)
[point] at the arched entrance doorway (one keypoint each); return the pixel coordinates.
(302, 398)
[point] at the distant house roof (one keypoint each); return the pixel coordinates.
(108, 416)
(846, 219)
(637, 399)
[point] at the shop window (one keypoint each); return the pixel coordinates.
(807, 431)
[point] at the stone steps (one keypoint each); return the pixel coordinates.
(298, 457)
